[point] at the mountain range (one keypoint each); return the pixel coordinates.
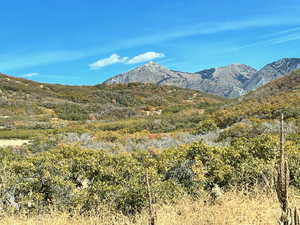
(229, 81)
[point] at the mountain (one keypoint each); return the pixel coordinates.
(229, 81)
(282, 94)
(288, 84)
(225, 81)
(152, 73)
(271, 72)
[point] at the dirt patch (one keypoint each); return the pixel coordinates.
(6, 143)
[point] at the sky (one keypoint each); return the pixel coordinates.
(80, 42)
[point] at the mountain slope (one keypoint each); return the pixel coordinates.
(266, 102)
(279, 87)
(225, 81)
(151, 73)
(272, 71)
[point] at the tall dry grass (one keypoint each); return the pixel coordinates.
(234, 208)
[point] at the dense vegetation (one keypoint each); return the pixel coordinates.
(68, 177)
(92, 146)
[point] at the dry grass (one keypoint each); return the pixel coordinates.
(235, 208)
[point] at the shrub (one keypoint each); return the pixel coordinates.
(66, 177)
(240, 164)
(206, 126)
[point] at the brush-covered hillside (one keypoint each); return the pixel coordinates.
(31, 105)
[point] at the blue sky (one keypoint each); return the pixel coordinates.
(86, 42)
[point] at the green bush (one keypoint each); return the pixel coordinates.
(206, 126)
(241, 164)
(68, 177)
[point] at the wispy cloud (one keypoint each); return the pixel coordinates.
(147, 56)
(115, 58)
(213, 28)
(284, 39)
(275, 38)
(284, 36)
(282, 32)
(31, 74)
(18, 61)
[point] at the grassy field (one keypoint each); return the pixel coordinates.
(234, 208)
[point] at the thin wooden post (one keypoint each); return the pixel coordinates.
(151, 210)
(288, 216)
(296, 217)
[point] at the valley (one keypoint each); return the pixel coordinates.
(150, 112)
(88, 147)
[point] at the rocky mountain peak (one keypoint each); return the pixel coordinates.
(152, 64)
(241, 66)
(148, 73)
(272, 71)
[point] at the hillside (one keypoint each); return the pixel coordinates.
(281, 95)
(286, 84)
(25, 103)
(33, 105)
